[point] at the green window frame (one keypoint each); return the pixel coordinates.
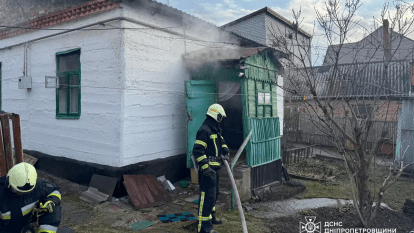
(68, 94)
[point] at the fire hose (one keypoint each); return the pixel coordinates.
(236, 195)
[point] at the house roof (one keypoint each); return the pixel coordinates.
(362, 80)
(61, 16)
(213, 55)
(88, 8)
(370, 49)
(271, 13)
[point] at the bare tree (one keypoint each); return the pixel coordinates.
(359, 82)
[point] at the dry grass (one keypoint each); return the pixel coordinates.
(337, 186)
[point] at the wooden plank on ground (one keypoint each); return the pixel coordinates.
(29, 159)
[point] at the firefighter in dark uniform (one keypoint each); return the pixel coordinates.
(20, 193)
(208, 148)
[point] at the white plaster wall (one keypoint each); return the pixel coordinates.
(95, 137)
(133, 89)
(155, 124)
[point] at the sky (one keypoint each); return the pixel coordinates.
(220, 12)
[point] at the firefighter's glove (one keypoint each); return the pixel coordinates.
(48, 206)
(209, 172)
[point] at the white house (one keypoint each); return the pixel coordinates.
(120, 104)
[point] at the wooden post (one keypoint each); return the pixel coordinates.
(3, 163)
(18, 150)
(4, 118)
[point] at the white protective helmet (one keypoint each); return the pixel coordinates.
(22, 178)
(216, 111)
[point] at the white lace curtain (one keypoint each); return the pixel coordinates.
(227, 90)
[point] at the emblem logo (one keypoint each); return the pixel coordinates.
(310, 226)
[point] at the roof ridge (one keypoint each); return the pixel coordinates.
(182, 12)
(61, 16)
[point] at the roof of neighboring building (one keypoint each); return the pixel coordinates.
(370, 49)
(273, 14)
(363, 80)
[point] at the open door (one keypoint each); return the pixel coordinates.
(200, 95)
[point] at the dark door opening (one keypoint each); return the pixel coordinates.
(230, 98)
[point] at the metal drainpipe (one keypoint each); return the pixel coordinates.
(25, 59)
(93, 24)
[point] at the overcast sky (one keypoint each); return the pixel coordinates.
(220, 12)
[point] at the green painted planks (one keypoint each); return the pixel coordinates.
(264, 145)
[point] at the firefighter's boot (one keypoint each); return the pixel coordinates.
(215, 220)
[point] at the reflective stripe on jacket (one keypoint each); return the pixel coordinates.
(15, 210)
(209, 145)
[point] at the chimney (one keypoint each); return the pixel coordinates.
(387, 39)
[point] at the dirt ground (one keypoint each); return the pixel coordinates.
(117, 216)
(346, 215)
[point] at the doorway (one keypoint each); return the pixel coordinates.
(229, 96)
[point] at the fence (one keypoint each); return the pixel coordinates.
(295, 155)
(307, 129)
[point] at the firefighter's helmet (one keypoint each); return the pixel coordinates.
(22, 178)
(216, 111)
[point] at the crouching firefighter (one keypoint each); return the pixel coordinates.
(24, 198)
(208, 148)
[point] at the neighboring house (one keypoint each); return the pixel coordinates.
(119, 106)
(377, 87)
(261, 26)
(386, 81)
(361, 68)
(381, 45)
(378, 67)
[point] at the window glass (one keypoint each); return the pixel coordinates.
(362, 110)
(74, 81)
(267, 98)
(63, 100)
(261, 98)
(69, 62)
(74, 100)
(63, 82)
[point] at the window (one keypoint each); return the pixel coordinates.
(264, 98)
(362, 110)
(68, 94)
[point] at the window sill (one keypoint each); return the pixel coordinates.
(67, 117)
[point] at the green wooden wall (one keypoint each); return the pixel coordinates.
(264, 145)
(262, 119)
